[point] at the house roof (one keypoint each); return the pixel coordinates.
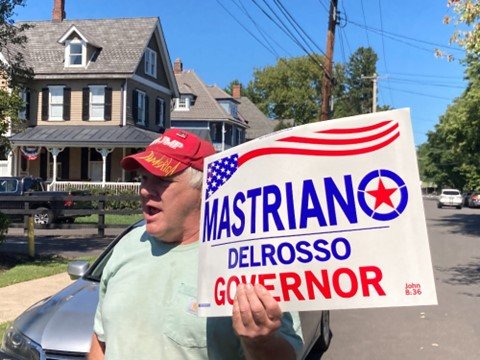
(120, 44)
(84, 136)
(219, 94)
(206, 106)
(91, 136)
(258, 123)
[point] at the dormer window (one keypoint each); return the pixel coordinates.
(75, 53)
(151, 62)
(183, 104)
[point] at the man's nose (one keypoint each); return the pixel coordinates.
(148, 191)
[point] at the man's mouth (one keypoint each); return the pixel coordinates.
(150, 210)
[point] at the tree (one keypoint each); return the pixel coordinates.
(290, 89)
(467, 13)
(12, 69)
(451, 156)
(356, 96)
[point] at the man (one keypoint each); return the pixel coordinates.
(148, 289)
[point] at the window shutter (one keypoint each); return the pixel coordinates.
(147, 112)
(157, 111)
(66, 103)
(134, 106)
(85, 104)
(27, 104)
(45, 94)
(108, 104)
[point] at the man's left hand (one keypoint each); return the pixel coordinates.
(255, 312)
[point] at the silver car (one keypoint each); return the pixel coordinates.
(61, 326)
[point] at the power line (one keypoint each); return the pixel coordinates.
(365, 22)
(417, 93)
(262, 32)
(289, 34)
(402, 36)
(383, 48)
(247, 30)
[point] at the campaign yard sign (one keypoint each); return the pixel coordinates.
(327, 215)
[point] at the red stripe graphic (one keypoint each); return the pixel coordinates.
(355, 130)
(390, 135)
(304, 140)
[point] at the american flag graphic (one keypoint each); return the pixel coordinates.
(334, 142)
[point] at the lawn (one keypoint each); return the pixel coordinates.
(110, 219)
(16, 268)
(3, 328)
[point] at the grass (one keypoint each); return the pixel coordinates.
(3, 327)
(20, 268)
(110, 219)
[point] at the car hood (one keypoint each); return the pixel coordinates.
(63, 322)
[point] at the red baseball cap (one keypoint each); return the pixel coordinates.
(174, 151)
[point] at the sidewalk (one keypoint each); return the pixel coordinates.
(68, 243)
(15, 299)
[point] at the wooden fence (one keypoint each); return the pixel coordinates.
(26, 206)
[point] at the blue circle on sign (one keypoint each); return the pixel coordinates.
(401, 186)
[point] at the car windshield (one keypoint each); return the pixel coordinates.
(95, 272)
(451, 192)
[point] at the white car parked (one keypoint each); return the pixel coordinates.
(450, 197)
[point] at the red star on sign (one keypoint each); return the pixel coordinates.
(382, 195)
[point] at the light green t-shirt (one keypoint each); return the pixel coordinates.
(147, 306)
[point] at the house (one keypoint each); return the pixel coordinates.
(101, 90)
(259, 124)
(207, 110)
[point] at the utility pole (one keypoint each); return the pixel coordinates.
(328, 68)
(374, 79)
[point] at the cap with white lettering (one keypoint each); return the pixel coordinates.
(170, 154)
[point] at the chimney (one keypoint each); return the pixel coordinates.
(58, 13)
(177, 66)
(236, 91)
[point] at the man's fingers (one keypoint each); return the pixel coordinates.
(257, 308)
(272, 309)
(243, 306)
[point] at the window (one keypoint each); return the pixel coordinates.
(183, 104)
(151, 62)
(141, 106)
(55, 103)
(97, 102)
(160, 112)
(24, 114)
(75, 53)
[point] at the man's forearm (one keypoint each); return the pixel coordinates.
(271, 347)
(97, 349)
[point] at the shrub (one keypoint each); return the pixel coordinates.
(4, 224)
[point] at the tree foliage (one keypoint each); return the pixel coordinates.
(466, 14)
(357, 95)
(451, 155)
(291, 89)
(12, 67)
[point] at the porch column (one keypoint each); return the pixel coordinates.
(124, 152)
(55, 151)
(13, 155)
(223, 136)
(104, 152)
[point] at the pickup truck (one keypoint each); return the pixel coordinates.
(47, 211)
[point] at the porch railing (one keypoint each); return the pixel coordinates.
(117, 187)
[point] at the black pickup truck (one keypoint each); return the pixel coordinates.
(48, 210)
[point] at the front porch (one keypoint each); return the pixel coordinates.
(79, 157)
(113, 187)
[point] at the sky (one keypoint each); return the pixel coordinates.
(224, 40)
